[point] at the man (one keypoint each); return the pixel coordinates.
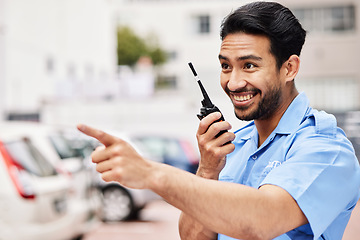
(289, 174)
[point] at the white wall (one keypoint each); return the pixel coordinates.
(67, 34)
(2, 57)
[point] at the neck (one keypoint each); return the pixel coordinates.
(266, 126)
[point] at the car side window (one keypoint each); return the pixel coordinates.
(28, 157)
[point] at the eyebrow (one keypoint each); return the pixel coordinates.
(247, 57)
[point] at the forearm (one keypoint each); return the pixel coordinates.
(213, 153)
(231, 209)
(191, 229)
(199, 200)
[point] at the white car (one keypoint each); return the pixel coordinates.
(36, 200)
(119, 203)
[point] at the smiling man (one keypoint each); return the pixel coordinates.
(290, 151)
(291, 173)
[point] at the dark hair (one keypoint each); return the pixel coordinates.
(272, 20)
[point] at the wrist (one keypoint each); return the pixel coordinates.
(208, 173)
(155, 177)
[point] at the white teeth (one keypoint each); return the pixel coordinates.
(243, 98)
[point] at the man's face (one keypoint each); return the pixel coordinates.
(250, 76)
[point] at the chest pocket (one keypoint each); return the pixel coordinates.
(277, 156)
(271, 165)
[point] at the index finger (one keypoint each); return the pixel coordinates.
(98, 134)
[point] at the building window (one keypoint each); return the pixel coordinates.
(172, 55)
(204, 24)
(166, 83)
(323, 93)
(342, 19)
(327, 19)
(21, 116)
(89, 72)
(201, 24)
(71, 72)
(50, 65)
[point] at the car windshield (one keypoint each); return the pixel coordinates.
(162, 147)
(63, 147)
(27, 156)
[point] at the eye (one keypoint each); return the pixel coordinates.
(249, 66)
(225, 66)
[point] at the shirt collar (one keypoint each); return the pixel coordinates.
(294, 115)
(290, 121)
(251, 131)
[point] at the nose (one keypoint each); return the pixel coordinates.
(236, 81)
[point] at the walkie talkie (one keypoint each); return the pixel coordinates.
(207, 106)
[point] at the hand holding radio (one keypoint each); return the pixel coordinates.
(214, 141)
(207, 106)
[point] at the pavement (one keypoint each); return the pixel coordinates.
(158, 221)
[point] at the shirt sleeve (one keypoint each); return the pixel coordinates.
(322, 174)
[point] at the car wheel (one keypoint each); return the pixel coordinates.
(117, 204)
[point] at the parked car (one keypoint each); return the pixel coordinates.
(119, 203)
(39, 194)
(175, 151)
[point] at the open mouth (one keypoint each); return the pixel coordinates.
(243, 98)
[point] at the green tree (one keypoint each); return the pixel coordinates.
(131, 47)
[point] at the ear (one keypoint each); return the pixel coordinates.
(291, 67)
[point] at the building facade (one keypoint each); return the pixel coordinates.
(53, 50)
(189, 31)
(58, 60)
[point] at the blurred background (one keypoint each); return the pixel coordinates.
(121, 65)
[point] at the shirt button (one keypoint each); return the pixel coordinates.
(254, 157)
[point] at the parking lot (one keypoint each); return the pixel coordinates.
(159, 222)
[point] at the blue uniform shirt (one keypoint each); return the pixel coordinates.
(309, 157)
